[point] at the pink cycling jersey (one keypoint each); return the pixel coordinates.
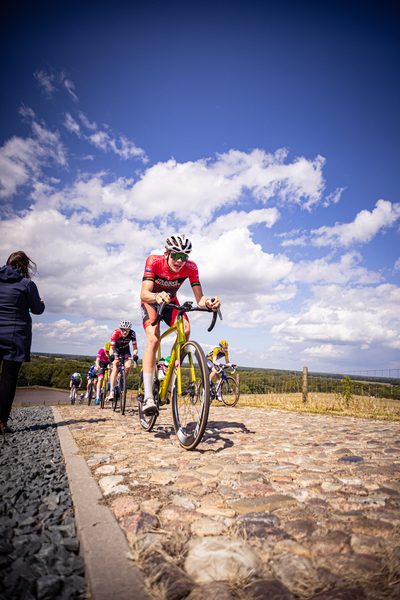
(102, 356)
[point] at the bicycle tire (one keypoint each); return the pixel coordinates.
(146, 421)
(190, 410)
(103, 391)
(122, 392)
(115, 397)
(90, 392)
(229, 392)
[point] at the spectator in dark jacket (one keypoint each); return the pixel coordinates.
(18, 296)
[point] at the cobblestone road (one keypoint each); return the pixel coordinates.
(272, 504)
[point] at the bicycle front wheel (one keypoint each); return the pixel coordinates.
(103, 391)
(90, 392)
(122, 392)
(229, 391)
(146, 421)
(190, 409)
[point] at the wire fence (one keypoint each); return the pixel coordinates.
(383, 383)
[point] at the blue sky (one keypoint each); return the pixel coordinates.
(269, 134)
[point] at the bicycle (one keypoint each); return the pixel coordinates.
(74, 396)
(91, 390)
(186, 383)
(121, 387)
(105, 388)
(227, 388)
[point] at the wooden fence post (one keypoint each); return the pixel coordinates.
(305, 385)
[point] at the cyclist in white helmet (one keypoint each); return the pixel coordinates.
(75, 381)
(120, 350)
(163, 276)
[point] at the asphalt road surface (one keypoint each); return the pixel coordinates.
(36, 396)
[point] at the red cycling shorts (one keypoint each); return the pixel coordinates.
(149, 313)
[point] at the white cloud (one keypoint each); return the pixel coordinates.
(86, 121)
(72, 125)
(65, 330)
(21, 159)
(397, 265)
(69, 85)
(328, 271)
(242, 219)
(324, 351)
(342, 316)
(363, 229)
(46, 82)
(102, 140)
(334, 197)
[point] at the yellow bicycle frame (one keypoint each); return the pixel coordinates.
(175, 360)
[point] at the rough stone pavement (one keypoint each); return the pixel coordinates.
(272, 504)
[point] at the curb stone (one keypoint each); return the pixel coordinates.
(109, 572)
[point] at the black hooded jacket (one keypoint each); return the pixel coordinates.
(18, 296)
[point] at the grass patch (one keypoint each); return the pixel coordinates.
(364, 407)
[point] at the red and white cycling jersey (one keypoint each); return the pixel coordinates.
(119, 343)
(165, 280)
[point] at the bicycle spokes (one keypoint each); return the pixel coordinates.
(190, 407)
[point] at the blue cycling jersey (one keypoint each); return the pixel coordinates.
(92, 372)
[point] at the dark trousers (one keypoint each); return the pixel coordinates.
(8, 383)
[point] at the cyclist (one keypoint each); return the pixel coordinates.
(119, 349)
(102, 363)
(75, 381)
(91, 378)
(220, 351)
(163, 276)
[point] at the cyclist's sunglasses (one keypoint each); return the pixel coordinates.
(179, 255)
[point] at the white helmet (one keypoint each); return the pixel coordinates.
(75, 375)
(178, 243)
(125, 324)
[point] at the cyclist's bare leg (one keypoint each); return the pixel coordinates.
(214, 373)
(149, 359)
(186, 326)
(99, 384)
(115, 367)
(127, 364)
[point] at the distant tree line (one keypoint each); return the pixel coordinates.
(55, 370)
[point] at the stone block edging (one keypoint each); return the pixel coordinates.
(103, 545)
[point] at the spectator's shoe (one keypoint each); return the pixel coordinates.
(5, 428)
(149, 406)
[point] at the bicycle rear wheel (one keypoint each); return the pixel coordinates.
(146, 421)
(229, 391)
(190, 409)
(122, 392)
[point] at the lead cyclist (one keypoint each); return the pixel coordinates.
(163, 276)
